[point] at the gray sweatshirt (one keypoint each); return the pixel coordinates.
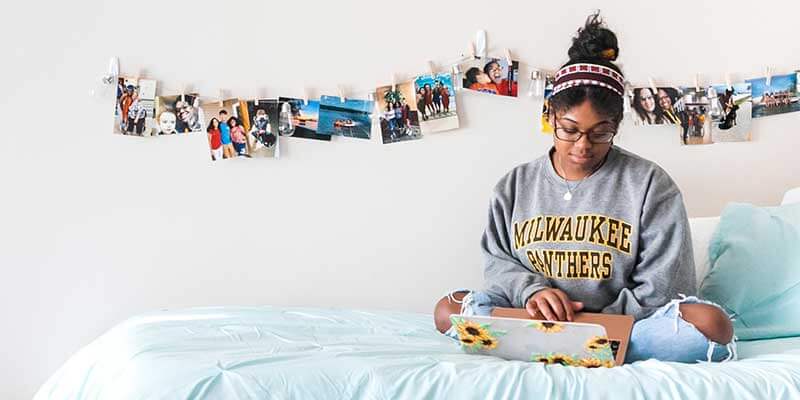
(621, 245)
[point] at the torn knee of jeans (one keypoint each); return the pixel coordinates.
(710, 320)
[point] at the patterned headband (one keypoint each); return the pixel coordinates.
(588, 75)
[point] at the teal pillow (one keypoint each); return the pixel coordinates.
(755, 269)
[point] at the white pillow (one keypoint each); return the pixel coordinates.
(792, 196)
(702, 230)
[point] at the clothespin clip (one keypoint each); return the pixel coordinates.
(221, 97)
(480, 44)
(728, 81)
(769, 76)
(305, 96)
(255, 101)
(471, 50)
(432, 68)
(113, 71)
(626, 100)
(654, 88)
(456, 71)
(183, 93)
(108, 79)
(341, 94)
(508, 56)
(697, 83)
(394, 83)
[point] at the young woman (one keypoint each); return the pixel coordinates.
(666, 100)
(429, 99)
(421, 103)
(238, 136)
(215, 139)
(592, 227)
(644, 103)
(445, 99)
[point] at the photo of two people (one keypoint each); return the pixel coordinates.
(492, 75)
(178, 114)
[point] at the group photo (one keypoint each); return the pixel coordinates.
(399, 118)
(436, 100)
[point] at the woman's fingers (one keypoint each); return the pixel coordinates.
(568, 311)
(532, 309)
(544, 307)
(556, 305)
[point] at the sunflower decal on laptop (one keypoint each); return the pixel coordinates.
(593, 362)
(547, 326)
(555, 359)
(600, 347)
(596, 343)
(475, 336)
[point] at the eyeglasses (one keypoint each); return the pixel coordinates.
(602, 136)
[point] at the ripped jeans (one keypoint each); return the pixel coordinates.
(664, 335)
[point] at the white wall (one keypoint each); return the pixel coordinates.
(96, 227)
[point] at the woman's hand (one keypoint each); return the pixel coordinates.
(553, 305)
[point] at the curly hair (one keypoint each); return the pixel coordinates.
(594, 44)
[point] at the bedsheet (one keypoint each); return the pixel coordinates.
(319, 353)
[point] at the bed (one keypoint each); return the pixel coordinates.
(316, 353)
(323, 353)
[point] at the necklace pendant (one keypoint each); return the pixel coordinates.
(568, 196)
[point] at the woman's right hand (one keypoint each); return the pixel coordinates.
(552, 304)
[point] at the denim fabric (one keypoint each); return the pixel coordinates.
(664, 335)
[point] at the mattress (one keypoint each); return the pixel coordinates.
(316, 353)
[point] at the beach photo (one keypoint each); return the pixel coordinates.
(178, 114)
(349, 118)
(656, 107)
(695, 121)
(491, 75)
(305, 117)
(227, 137)
(260, 121)
(134, 110)
(779, 97)
(434, 96)
(733, 125)
(399, 116)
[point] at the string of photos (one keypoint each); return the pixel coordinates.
(409, 110)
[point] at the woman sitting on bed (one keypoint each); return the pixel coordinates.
(592, 227)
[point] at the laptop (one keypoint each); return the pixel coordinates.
(585, 342)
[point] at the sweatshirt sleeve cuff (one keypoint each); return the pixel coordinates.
(528, 292)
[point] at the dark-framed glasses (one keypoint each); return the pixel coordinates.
(596, 136)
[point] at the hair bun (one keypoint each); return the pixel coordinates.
(594, 42)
